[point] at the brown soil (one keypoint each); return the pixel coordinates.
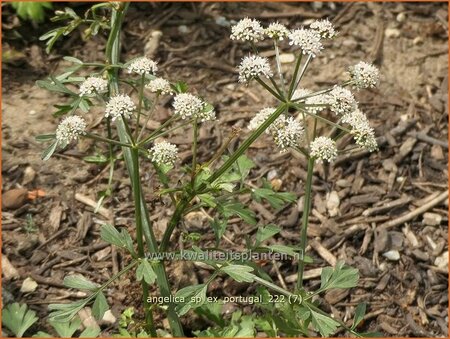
(51, 236)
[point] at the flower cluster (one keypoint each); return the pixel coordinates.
(323, 148)
(164, 153)
(187, 105)
(143, 65)
(254, 66)
(324, 27)
(160, 86)
(70, 128)
(247, 30)
(364, 75)
(93, 85)
(286, 131)
(307, 39)
(276, 31)
(363, 133)
(119, 105)
(315, 103)
(342, 101)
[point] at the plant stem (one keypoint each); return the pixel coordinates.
(107, 140)
(139, 108)
(136, 182)
(302, 72)
(268, 88)
(294, 77)
(155, 134)
(280, 73)
(194, 151)
(112, 55)
(150, 113)
(305, 217)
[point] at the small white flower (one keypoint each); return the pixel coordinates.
(119, 105)
(342, 101)
(254, 66)
(143, 65)
(247, 30)
(307, 39)
(260, 117)
(363, 133)
(93, 85)
(286, 132)
(276, 31)
(159, 85)
(324, 27)
(70, 128)
(317, 103)
(164, 153)
(187, 105)
(323, 148)
(364, 75)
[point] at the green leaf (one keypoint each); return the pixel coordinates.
(371, 335)
(266, 232)
(30, 10)
(48, 152)
(41, 334)
(359, 314)
(219, 226)
(79, 282)
(65, 312)
(112, 236)
(244, 165)
(62, 110)
(208, 199)
(276, 199)
(325, 325)
(339, 277)
(45, 137)
(96, 159)
(100, 306)
(18, 318)
(66, 329)
(180, 87)
(145, 271)
(235, 208)
(194, 297)
(212, 311)
(90, 332)
(283, 249)
(240, 273)
(73, 59)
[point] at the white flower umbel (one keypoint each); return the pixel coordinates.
(187, 105)
(160, 86)
(276, 31)
(323, 148)
(70, 128)
(247, 30)
(363, 133)
(143, 65)
(364, 75)
(120, 105)
(286, 132)
(260, 117)
(307, 39)
(324, 27)
(93, 85)
(342, 101)
(254, 66)
(164, 153)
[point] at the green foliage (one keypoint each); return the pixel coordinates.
(324, 324)
(66, 329)
(194, 296)
(340, 276)
(121, 239)
(276, 199)
(241, 326)
(79, 282)
(31, 10)
(231, 208)
(359, 315)
(18, 318)
(240, 273)
(145, 271)
(266, 232)
(100, 306)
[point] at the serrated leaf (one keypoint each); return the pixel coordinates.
(235, 208)
(112, 236)
(100, 306)
(219, 226)
(325, 325)
(65, 312)
(145, 271)
(18, 318)
(340, 277)
(66, 329)
(360, 311)
(240, 273)
(194, 296)
(79, 282)
(48, 152)
(276, 199)
(266, 232)
(244, 165)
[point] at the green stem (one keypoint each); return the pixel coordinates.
(268, 88)
(305, 217)
(112, 55)
(194, 151)
(139, 108)
(139, 235)
(302, 72)
(294, 77)
(316, 116)
(280, 73)
(155, 134)
(150, 113)
(107, 140)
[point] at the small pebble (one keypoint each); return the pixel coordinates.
(392, 33)
(431, 219)
(401, 17)
(393, 255)
(418, 40)
(442, 260)
(28, 285)
(287, 58)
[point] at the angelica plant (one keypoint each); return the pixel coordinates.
(130, 91)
